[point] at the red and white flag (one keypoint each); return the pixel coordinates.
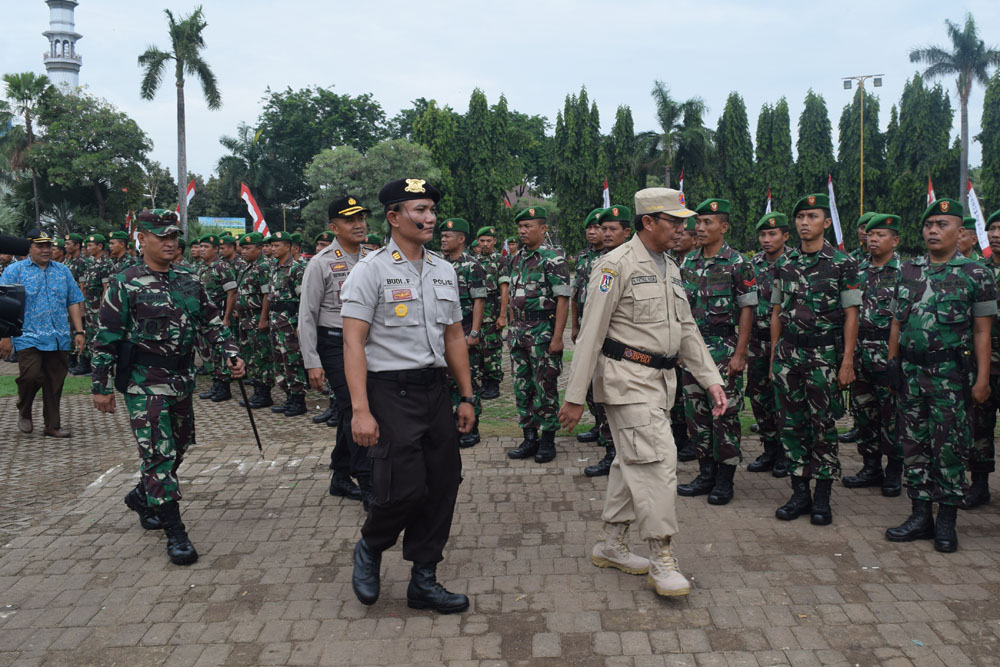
(132, 227)
(681, 180)
(258, 218)
(930, 192)
(506, 249)
(977, 213)
(834, 215)
(767, 209)
(606, 194)
(189, 197)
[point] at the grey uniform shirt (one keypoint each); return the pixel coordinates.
(408, 310)
(320, 301)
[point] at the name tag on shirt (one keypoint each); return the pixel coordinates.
(643, 280)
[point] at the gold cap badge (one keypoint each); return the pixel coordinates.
(714, 206)
(771, 222)
(415, 185)
(811, 199)
(531, 211)
(449, 224)
(614, 211)
(944, 207)
(350, 200)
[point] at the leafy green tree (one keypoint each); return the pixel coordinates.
(401, 125)
(814, 146)
(437, 129)
(156, 182)
(847, 179)
(989, 138)
(250, 160)
(775, 167)
(660, 150)
(736, 180)
(186, 44)
(529, 145)
(576, 181)
(26, 92)
(970, 59)
(620, 150)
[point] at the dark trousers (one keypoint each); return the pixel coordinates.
(347, 458)
(45, 370)
(416, 468)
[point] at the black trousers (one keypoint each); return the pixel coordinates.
(416, 468)
(347, 458)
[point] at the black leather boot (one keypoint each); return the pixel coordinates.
(424, 592)
(296, 405)
(367, 493)
(262, 396)
(281, 407)
(179, 547)
(602, 467)
(703, 483)
(210, 393)
(945, 536)
(224, 393)
(546, 447)
(83, 368)
(918, 526)
(766, 460)
(528, 446)
(722, 492)
(892, 481)
(589, 436)
(135, 500)
(365, 580)
(850, 435)
(334, 419)
(471, 438)
(979, 491)
(342, 485)
(330, 411)
(490, 391)
(780, 463)
(870, 474)
(800, 503)
(685, 449)
(822, 514)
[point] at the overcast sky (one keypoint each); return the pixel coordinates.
(533, 52)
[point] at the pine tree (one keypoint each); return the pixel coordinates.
(437, 129)
(782, 184)
(814, 147)
(576, 159)
(620, 152)
(848, 177)
(735, 160)
(989, 138)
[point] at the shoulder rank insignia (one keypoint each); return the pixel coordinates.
(396, 256)
(337, 252)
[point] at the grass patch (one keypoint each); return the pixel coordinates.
(74, 385)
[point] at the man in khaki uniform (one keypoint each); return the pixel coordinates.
(636, 327)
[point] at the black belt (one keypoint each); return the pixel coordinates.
(809, 340)
(613, 349)
(284, 307)
(425, 376)
(175, 364)
(934, 358)
(761, 333)
(330, 331)
(718, 330)
(880, 335)
(538, 315)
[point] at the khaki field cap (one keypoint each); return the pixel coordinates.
(661, 200)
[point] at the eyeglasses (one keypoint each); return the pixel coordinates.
(664, 217)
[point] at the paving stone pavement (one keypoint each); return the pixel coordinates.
(82, 584)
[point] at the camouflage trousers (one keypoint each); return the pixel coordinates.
(536, 372)
(204, 351)
(289, 371)
(255, 348)
(600, 419)
(809, 401)
(760, 388)
(874, 412)
(91, 322)
(984, 424)
(716, 438)
(935, 431)
(491, 355)
(475, 362)
(164, 429)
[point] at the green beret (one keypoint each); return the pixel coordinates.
(531, 213)
(228, 238)
(818, 200)
(181, 243)
(60, 243)
(96, 238)
(210, 239)
(969, 223)
(713, 206)
(593, 218)
(475, 243)
(773, 220)
(253, 238)
(120, 235)
(691, 224)
(865, 217)
(944, 207)
(993, 218)
(373, 239)
(75, 237)
(324, 236)
(454, 225)
(513, 239)
(616, 213)
(281, 236)
(296, 238)
(883, 221)
(486, 231)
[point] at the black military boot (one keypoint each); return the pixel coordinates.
(262, 396)
(334, 419)
(870, 474)
(979, 491)
(546, 447)
(179, 547)
(722, 492)
(528, 446)
(800, 503)
(424, 592)
(367, 493)
(281, 407)
(471, 438)
(945, 536)
(210, 393)
(342, 485)
(765, 461)
(850, 435)
(224, 393)
(296, 405)
(73, 361)
(918, 526)
(490, 391)
(602, 467)
(685, 448)
(589, 436)
(822, 514)
(330, 411)
(135, 500)
(780, 465)
(703, 483)
(365, 579)
(892, 480)
(83, 368)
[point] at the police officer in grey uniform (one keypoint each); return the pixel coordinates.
(321, 338)
(402, 328)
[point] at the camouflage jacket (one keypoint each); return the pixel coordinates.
(537, 278)
(218, 278)
(238, 264)
(936, 303)
(718, 288)
(116, 266)
(678, 260)
(95, 277)
(284, 289)
(814, 289)
(878, 284)
(491, 307)
(994, 268)
(764, 271)
(471, 284)
(160, 313)
(77, 266)
(252, 288)
(858, 255)
(582, 267)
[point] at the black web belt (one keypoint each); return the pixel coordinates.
(289, 307)
(809, 340)
(880, 335)
(418, 376)
(176, 364)
(538, 315)
(718, 330)
(934, 358)
(613, 349)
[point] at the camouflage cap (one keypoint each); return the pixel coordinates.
(454, 225)
(486, 231)
(816, 200)
(944, 206)
(616, 213)
(662, 200)
(969, 223)
(773, 220)
(593, 218)
(532, 213)
(884, 221)
(158, 224)
(713, 206)
(97, 238)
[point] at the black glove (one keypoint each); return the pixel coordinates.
(895, 372)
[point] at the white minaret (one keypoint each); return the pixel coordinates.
(62, 62)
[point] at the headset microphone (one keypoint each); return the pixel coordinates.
(419, 225)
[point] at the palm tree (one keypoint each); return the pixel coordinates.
(249, 161)
(674, 118)
(25, 92)
(969, 59)
(186, 41)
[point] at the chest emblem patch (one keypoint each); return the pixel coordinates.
(338, 266)
(401, 295)
(401, 310)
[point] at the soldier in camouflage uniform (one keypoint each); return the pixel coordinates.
(875, 406)
(283, 316)
(251, 291)
(322, 240)
(581, 277)
(472, 298)
(219, 280)
(685, 242)
(943, 312)
(157, 310)
(120, 259)
(967, 240)
(94, 280)
(722, 290)
(539, 288)
(76, 261)
(772, 233)
(491, 338)
(816, 299)
(229, 253)
(859, 255)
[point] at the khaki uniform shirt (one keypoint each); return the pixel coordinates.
(628, 301)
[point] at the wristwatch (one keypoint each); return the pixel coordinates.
(82, 333)
(471, 400)
(474, 334)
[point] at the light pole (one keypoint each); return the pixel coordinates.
(295, 205)
(877, 82)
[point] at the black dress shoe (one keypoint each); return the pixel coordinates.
(424, 592)
(365, 579)
(341, 485)
(490, 391)
(469, 439)
(325, 415)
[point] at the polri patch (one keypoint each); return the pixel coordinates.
(401, 295)
(338, 266)
(643, 280)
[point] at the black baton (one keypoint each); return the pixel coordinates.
(253, 424)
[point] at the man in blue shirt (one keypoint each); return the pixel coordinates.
(52, 301)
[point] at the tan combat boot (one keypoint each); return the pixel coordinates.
(663, 573)
(614, 551)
